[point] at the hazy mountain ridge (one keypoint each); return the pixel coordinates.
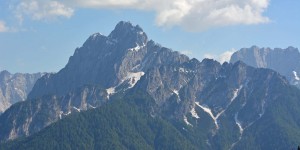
(28, 117)
(15, 87)
(285, 61)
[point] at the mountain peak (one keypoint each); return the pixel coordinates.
(254, 47)
(124, 29)
(292, 49)
(4, 72)
(96, 36)
(126, 25)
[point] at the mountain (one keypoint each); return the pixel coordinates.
(204, 104)
(285, 61)
(110, 64)
(253, 118)
(15, 87)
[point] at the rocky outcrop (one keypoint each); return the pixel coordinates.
(28, 117)
(15, 87)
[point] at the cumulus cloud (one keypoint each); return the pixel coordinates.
(186, 52)
(102, 3)
(192, 15)
(42, 10)
(199, 15)
(3, 27)
(224, 57)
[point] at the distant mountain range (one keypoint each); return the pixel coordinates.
(15, 87)
(123, 91)
(285, 61)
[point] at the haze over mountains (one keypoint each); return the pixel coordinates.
(15, 87)
(285, 61)
(136, 93)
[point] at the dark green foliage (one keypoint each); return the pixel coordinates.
(117, 125)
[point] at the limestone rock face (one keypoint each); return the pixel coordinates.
(285, 61)
(15, 87)
(108, 61)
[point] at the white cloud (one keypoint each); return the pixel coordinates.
(224, 57)
(186, 52)
(199, 15)
(210, 56)
(3, 27)
(42, 10)
(192, 15)
(102, 3)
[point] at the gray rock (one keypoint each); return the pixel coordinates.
(285, 61)
(107, 61)
(28, 117)
(15, 87)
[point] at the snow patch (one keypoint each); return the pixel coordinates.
(92, 106)
(235, 94)
(176, 92)
(186, 121)
(141, 32)
(208, 111)
(137, 48)
(69, 112)
(94, 36)
(183, 70)
(194, 113)
(296, 76)
(110, 91)
(215, 118)
(238, 123)
(263, 108)
(77, 109)
(134, 77)
(62, 113)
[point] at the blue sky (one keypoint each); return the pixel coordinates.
(40, 36)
